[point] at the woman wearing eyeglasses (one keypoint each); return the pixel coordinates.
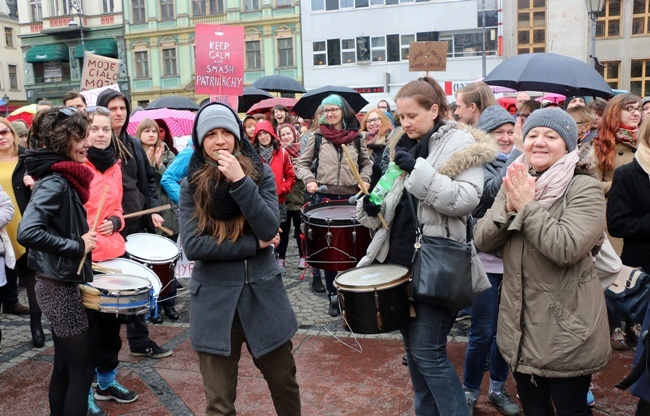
(376, 127)
(55, 229)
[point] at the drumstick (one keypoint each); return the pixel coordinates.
(105, 269)
(102, 200)
(148, 211)
(360, 181)
(165, 230)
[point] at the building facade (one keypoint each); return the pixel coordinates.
(54, 35)
(161, 42)
(12, 82)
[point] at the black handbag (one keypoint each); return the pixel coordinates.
(442, 268)
(630, 294)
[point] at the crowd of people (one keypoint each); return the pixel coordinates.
(542, 190)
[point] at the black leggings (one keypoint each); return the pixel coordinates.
(538, 395)
(72, 375)
(284, 235)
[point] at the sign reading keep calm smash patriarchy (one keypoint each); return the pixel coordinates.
(219, 60)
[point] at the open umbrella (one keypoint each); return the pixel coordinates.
(173, 102)
(180, 122)
(278, 83)
(29, 108)
(549, 72)
(268, 104)
(552, 97)
(250, 97)
(308, 103)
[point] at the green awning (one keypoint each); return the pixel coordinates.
(103, 47)
(44, 53)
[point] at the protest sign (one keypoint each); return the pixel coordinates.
(428, 56)
(91, 95)
(99, 71)
(219, 60)
(231, 101)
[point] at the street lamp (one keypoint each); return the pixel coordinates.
(5, 98)
(76, 4)
(594, 8)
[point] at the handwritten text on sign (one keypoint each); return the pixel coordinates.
(99, 71)
(427, 56)
(219, 60)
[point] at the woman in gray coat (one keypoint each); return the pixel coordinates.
(229, 223)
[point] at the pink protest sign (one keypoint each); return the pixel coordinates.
(219, 60)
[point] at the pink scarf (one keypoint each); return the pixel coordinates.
(551, 184)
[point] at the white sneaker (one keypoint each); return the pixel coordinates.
(301, 263)
(281, 263)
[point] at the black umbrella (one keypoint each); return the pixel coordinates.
(549, 72)
(278, 83)
(173, 102)
(250, 97)
(308, 103)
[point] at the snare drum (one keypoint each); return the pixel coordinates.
(132, 268)
(117, 293)
(157, 252)
(374, 299)
(334, 239)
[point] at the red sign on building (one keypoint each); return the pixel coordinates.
(219, 60)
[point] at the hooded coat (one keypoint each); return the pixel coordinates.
(280, 163)
(552, 315)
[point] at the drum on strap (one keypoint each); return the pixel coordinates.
(375, 299)
(157, 252)
(117, 293)
(334, 239)
(132, 268)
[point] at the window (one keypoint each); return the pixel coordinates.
(142, 64)
(405, 44)
(217, 7)
(358, 3)
(285, 53)
(108, 6)
(167, 9)
(317, 5)
(59, 8)
(9, 37)
(320, 55)
(251, 5)
(640, 77)
(531, 26)
(348, 51)
(36, 10)
(393, 48)
(207, 7)
(609, 22)
(468, 43)
(363, 49)
(169, 62)
(641, 17)
(331, 4)
(610, 72)
(333, 52)
(378, 48)
(13, 77)
(139, 15)
(198, 7)
(282, 3)
(253, 55)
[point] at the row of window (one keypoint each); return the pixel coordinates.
(609, 22)
(328, 5)
(63, 7)
(639, 75)
(199, 8)
(13, 77)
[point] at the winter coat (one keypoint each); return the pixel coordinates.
(552, 315)
(175, 172)
(237, 276)
(333, 169)
(448, 185)
(283, 172)
(623, 154)
(628, 213)
(7, 212)
(108, 246)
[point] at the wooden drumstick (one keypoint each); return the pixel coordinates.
(148, 211)
(102, 200)
(362, 185)
(165, 230)
(107, 270)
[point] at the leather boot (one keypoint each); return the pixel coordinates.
(317, 285)
(38, 336)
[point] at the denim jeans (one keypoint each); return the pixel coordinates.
(437, 388)
(482, 338)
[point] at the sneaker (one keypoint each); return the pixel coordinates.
(152, 351)
(506, 405)
(333, 309)
(301, 263)
(93, 407)
(617, 339)
(591, 400)
(116, 392)
(462, 315)
(471, 402)
(281, 263)
(632, 333)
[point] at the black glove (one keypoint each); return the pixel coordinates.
(370, 208)
(404, 160)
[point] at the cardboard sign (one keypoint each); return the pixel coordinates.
(219, 60)
(99, 71)
(428, 56)
(91, 95)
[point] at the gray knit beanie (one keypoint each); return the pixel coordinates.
(494, 117)
(216, 116)
(556, 119)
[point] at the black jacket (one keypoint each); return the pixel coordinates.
(628, 213)
(51, 228)
(21, 191)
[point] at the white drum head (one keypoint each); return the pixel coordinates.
(370, 277)
(151, 248)
(119, 282)
(133, 268)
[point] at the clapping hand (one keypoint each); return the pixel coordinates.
(519, 186)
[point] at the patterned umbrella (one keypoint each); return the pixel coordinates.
(180, 122)
(29, 108)
(266, 105)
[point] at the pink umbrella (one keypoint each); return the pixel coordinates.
(180, 122)
(552, 97)
(497, 89)
(266, 105)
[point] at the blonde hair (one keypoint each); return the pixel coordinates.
(14, 146)
(145, 124)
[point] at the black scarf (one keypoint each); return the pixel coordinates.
(222, 205)
(102, 159)
(38, 162)
(417, 148)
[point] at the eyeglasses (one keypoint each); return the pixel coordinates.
(373, 120)
(94, 108)
(631, 109)
(4, 131)
(332, 110)
(523, 116)
(383, 108)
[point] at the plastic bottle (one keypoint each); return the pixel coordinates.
(385, 183)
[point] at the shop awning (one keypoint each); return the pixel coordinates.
(103, 47)
(44, 53)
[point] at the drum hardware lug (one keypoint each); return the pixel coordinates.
(354, 237)
(310, 234)
(341, 299)
(380, 323)
(328, 237)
